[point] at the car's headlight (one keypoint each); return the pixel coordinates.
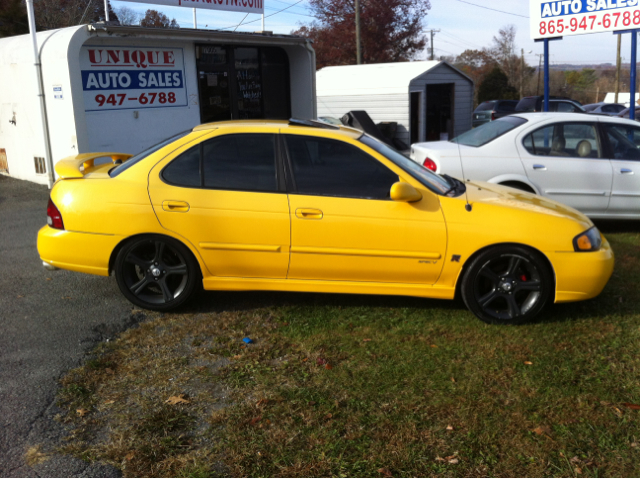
(590, 240)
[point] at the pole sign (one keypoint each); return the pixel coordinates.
(244, 6)
(561, 18)
(122, 78)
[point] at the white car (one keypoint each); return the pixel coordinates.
(591, 163)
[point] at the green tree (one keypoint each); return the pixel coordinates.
(495, 86)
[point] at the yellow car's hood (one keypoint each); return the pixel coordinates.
(492, 194)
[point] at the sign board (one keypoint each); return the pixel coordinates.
(561, 18)
(123, 78)
(244, 6)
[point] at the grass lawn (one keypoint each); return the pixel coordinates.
(368, 386)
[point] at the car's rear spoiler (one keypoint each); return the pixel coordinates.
(78, 166)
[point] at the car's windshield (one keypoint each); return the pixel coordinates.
(489, 131)
(144, 153)
(435, 183)
(487, 105)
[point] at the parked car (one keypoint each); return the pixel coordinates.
(611, 109)
(492, 110)
(556, 104)
(306, 206)
(625, 113)
(587, 162)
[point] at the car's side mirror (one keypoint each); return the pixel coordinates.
(402, 191)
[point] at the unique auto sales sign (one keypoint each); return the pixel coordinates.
(121, 78)
(560, 18)
(244, 6)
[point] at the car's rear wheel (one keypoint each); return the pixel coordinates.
(156, 272)
(507, 285)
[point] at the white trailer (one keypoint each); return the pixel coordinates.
(124, 88)
(429, 100)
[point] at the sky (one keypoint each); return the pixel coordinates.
(463, 24)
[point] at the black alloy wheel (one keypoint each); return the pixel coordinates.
(507, 285)
(156, 272)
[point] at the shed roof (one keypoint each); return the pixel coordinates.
(375, 78)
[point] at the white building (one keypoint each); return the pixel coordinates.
(623, 98)
(429, 100)
(123, 88)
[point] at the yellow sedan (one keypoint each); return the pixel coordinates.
(304, 206)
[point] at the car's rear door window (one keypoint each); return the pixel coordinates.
(245, 162)
(326, 167)
(240, 162)
(577, 140)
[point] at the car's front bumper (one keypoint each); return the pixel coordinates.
(581, 276)
(82, 252)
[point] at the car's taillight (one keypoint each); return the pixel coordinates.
(430, 164)
(493, 116)
(54, 218)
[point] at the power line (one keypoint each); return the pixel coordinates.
(495, 10)
(266, 16)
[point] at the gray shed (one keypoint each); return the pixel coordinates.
(430, 100)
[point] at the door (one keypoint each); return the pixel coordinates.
(214, 83)
(624, 153)
(345, 227)
(226, 196)
(565, 161)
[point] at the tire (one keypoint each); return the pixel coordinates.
(156, 272)
(518, 186)
(507, 285)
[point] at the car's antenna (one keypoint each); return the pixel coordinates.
(467, 206)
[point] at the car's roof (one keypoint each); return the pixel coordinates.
(535, 117)
(253, 125)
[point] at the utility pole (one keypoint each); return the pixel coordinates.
(358, 51)
(433, 34)
(615, 100)
(521, 72)
(539, 70)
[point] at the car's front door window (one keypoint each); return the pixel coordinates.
(624, 141)
(325, 167)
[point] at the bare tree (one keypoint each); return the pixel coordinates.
(503, 52)
(128, 16)
(52, 14)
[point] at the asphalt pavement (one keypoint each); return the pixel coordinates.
(49, 321)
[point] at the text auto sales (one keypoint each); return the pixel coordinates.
(574, 17)
(572, 7)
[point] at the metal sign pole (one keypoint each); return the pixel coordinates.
(632, 82)
(106, 10)
(195, 20)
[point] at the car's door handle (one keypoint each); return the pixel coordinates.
(626, 171)
(175, 206)
(539, 167)
(309, 214)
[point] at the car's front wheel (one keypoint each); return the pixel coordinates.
(156, 272)
(507, 285)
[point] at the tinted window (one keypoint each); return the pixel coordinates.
(565, 107)
(332, 168)
(489, 131)
(185, 169)
(527, 104)
(507, 106)
(144, 153)
(487, 105)
(427, 177)
(577, 140)
(624, 140)
(240, 162)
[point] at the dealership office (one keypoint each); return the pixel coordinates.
(124, 88)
